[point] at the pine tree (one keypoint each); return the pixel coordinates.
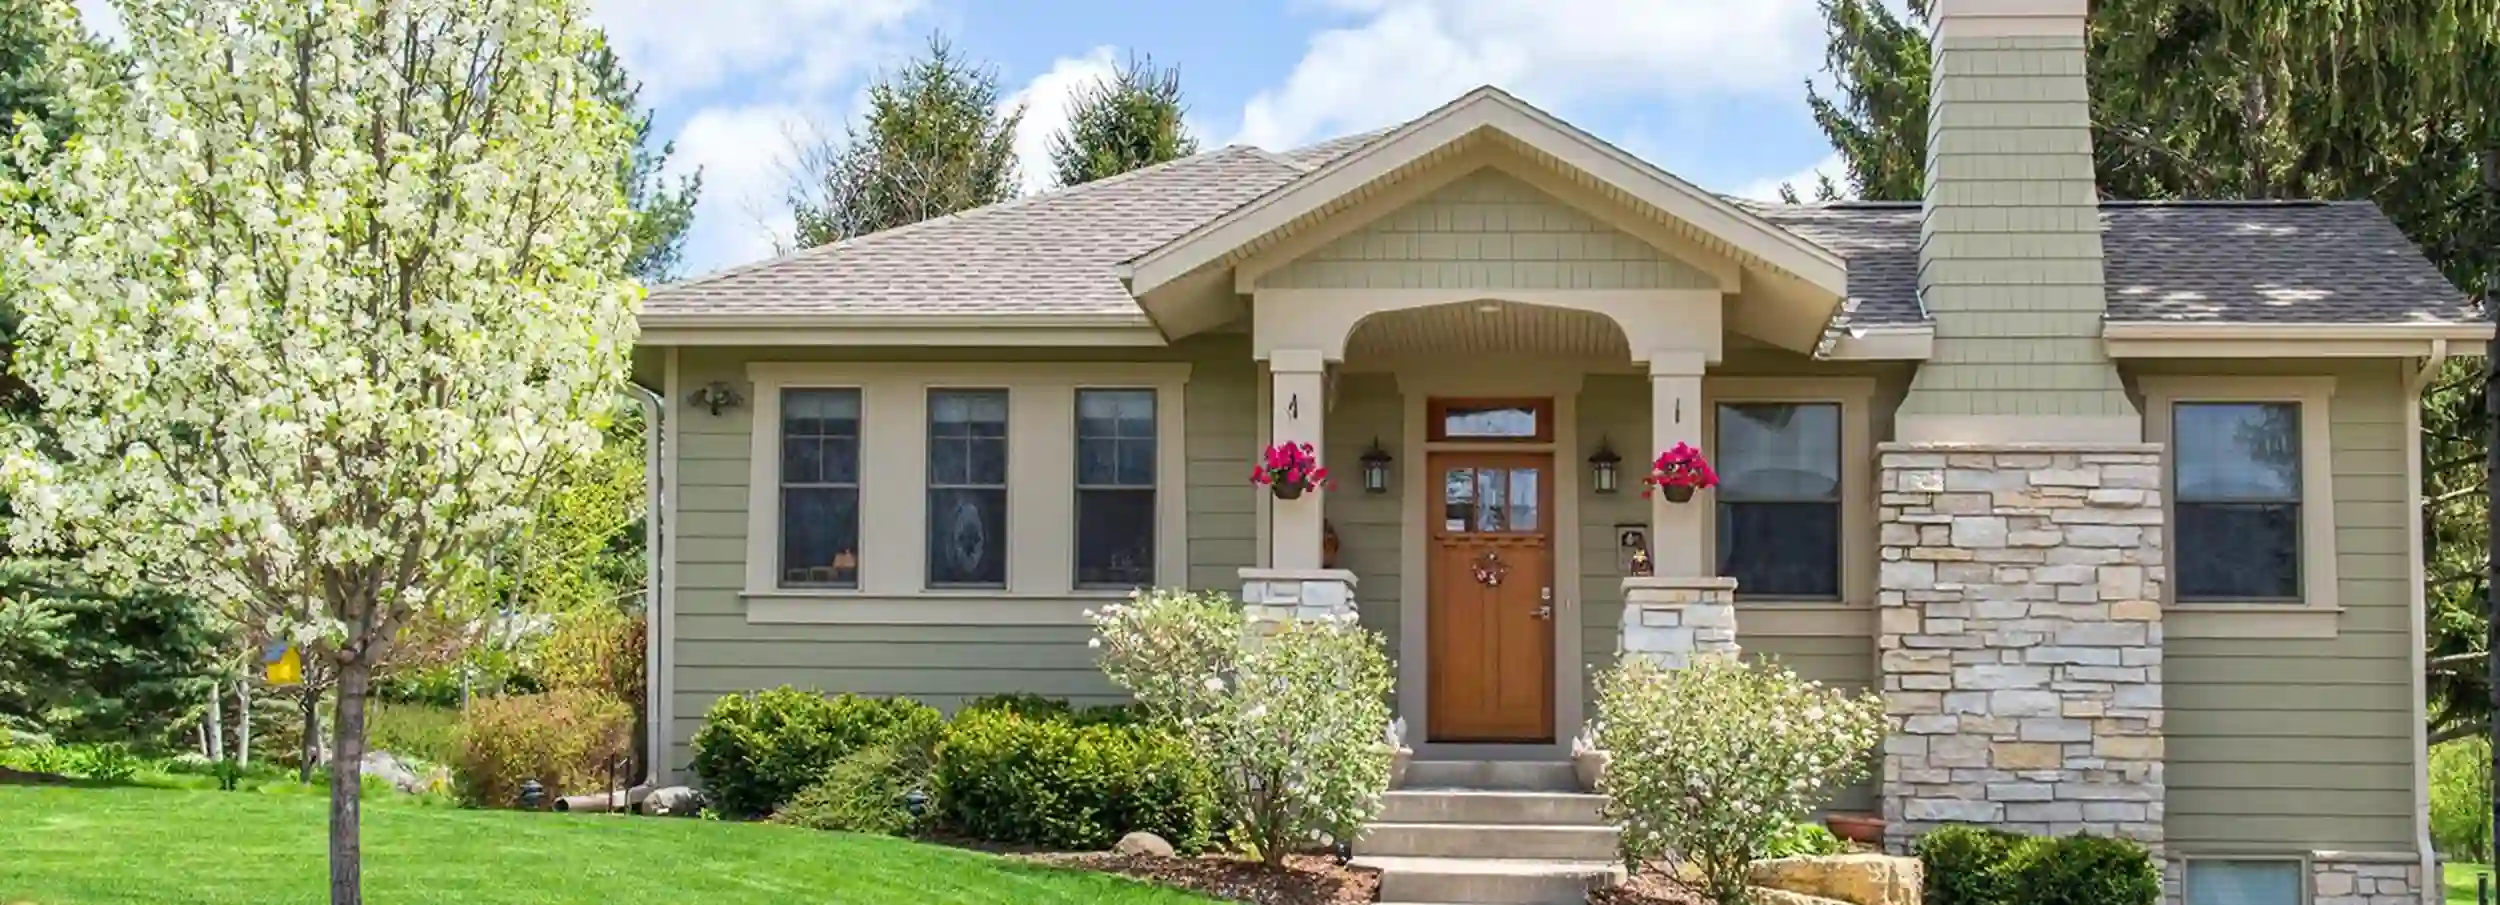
(937, 140)
(1131, 120)
(663, 208)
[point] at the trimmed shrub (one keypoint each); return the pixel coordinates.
(1968, 865)
(1007, 777)
(865, 792)
(1710, 762)
(569, 741)
(408, 729)
(1038, 707)
(756, 752)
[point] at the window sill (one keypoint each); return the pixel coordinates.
(2251, 620)
(951, 607)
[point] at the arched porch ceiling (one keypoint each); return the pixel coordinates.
(1486, 333)
(1779, 287)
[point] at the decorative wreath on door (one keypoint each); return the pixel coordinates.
(1490, 569)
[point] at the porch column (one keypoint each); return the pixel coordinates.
(1294, 586)
(1675, 529)
(1681, 611)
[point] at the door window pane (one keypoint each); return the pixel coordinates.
(2236, 471)
(1524, 497)
(1492, 499)
(967, 488)
(820, 488)
(1115, 488)
(1779, 498)
(2211, 882)
(1458, 499)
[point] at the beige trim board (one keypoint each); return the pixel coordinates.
(2417, 607)
(924, 609)
(1884, 344)
(2316, 614)
(672, 451)
(2152, 339)
(1041, 465)
(2059, 431)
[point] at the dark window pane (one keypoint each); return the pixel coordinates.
(1770, 451)
(802, 460)
(1492, 498)
(968, 537)
(988, 462)
(1115, 537)
(1137, 462)
(1097, 462)
(818, 412)
(1524, 497)
(820, 536)
(2236, 451)
(1489, 422)
(2238, 551)
(1781, 549)
(949, 461)
(841, 460)
(1458, 499)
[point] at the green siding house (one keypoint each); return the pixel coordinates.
(2111, 502)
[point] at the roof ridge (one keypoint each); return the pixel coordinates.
(967, 213)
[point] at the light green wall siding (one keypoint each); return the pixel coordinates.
(2010, 253)
(1487, 230)
(718, 652)
(2295, 745)
(1369, 538)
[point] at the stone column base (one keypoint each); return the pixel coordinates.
(1671, 620)
(1287, 594)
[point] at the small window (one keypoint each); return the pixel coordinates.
(2237, 485)
(1115, 488)
(2217, 882)
(1779, 499)
(820, 488)
(968, 488)
(1521, 420)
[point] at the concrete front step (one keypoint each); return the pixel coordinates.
(1478, 840)
(1493, 775)
(1489, 881)
(1467, 806)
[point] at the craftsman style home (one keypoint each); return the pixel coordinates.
(2112, 502)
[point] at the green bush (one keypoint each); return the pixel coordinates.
(1038, 707)
(110, 762)
(1803, 839)
(408, 729)
(1006, 777)
(570, 741)
(865, 792)
(2461, 799)
(756, 752)
(1968, 865)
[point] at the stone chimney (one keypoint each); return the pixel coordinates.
(2009, 253)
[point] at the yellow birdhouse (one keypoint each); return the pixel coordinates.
(282, 665)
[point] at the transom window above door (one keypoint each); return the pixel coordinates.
(1513, 420)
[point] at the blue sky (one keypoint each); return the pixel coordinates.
(1712, 90)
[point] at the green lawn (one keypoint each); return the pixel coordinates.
(2459, 879)
(60, 846)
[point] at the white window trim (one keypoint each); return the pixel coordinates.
(2300, 863)
(2317, 614)
(1041, 480)
(1856, 398)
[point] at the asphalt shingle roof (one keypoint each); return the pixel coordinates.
(1058, 253)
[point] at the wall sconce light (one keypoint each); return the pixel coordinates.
(1376, 468)
(715, 397)
(1605, 468)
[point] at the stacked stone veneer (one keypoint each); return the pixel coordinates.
(1287, 594)
(2021, 639)
(1669, 621)
(2339, 879)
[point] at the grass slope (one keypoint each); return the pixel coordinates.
(88, 846)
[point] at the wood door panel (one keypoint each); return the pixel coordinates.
(1491, 669)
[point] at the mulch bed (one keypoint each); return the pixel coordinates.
(1647, 888)
(1304, 879)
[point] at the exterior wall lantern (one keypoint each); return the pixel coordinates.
(715, 397)
(1605, 468)
(1376, 468)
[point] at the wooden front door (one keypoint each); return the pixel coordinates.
(1491, 587)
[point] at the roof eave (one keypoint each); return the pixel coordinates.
(2243, 339)
(1020, 330)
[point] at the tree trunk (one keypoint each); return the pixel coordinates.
(347, 755)
(243, 722)
(310, 704)
(213, 730)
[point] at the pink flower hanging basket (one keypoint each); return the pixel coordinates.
(1678, 472)
(1288, 469)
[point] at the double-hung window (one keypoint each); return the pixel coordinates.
(2237, 480)
(820, 488)
(1115, 488)
(967, 489)
(1779, 498)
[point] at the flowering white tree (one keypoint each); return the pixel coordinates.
(1291, 716)
(312, 304)
(1710, 761)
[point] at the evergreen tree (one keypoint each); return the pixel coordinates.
(2344, 99)
(1132, 120)
(937, 139)
(663, 209)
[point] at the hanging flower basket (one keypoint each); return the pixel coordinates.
(1288, 469)
(1678, 472)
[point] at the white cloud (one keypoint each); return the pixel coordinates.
(1045, 101)
(1803, 180)
(1405, 56)
(801, 46)
(744, 153)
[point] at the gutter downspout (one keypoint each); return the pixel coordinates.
(2419, 592)
(654, 620)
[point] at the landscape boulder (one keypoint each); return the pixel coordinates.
(1142, 843)
(408, 775)
(1764, 895)
(672, 801)
(1866, 879)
